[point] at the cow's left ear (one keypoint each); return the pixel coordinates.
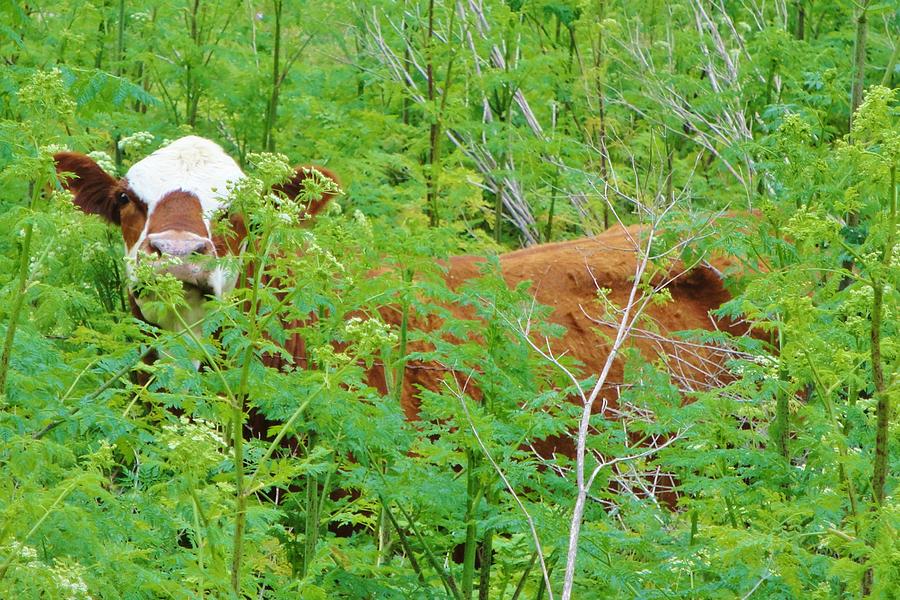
(94, 189)
(296, 186)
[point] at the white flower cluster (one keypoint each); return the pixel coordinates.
(136, 141)
(192, 430)
(770, 365)
(53, 148)
(271, 167)
(287, 211)
(104, 160)
(370, 331)
(67, 580)
(330, 262)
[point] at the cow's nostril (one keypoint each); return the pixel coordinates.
(203, 248)
(156, 247)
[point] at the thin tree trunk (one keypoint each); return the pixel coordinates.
(856, 96)
(193, 88)
(859, 60)
(883, 410)
(601, 102)
(19, 299)
(472, 495)
(272, 108)
(434, 133)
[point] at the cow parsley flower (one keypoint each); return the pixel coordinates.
(104, 160)
(46, 94)
(136, 141)
(272, 168)
(371, 331)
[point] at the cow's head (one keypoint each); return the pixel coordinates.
(164, 206)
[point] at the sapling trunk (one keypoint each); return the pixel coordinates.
(272, 108)
(524, 577)
(446, 577)
(498, 211)
(601, 109)
(892, 63)
(859, 60)
(400, 363)
(670, 169)
(548, 232)
(241, 500)
(781, 424)
(237, 418)
(120, 40)
(472, 495)
(883, 409)
(434, 129)
(101, 38)
(435, 132)
(17, 305)
(311, 525)
(404, 541)
(487, 551)
(856, 97)
(21, 283)
(191, 85)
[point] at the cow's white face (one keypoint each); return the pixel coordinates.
(165, 204)
(180, 186)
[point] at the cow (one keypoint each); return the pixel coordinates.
(166, 201)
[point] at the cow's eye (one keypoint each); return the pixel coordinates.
(122, 199)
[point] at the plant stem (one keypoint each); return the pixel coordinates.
(524, 578)
(400, 364)
(825, 395)
(237, 420)
(272, 109)
(781, 425)
(311, 525)
(434, 129)
(859, 60)
(471, 541)
(19, 299)
(446, 577)
(404, 541)
(892, 63)
(883, 410)
(856, 95)
(120, 44)
(484, 572)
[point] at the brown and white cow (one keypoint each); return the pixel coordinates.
(165, 205)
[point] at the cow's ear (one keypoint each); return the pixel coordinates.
(94, 189)
(320, 178)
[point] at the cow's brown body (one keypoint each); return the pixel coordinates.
(566, 276)
(168, 218)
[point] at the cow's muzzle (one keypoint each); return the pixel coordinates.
(185, 255)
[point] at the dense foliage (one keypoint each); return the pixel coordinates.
(473, 126)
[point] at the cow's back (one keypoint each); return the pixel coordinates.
(566, 276)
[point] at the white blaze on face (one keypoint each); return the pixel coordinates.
(191, 164)
(202, 168)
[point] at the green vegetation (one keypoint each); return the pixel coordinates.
(456, 127)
